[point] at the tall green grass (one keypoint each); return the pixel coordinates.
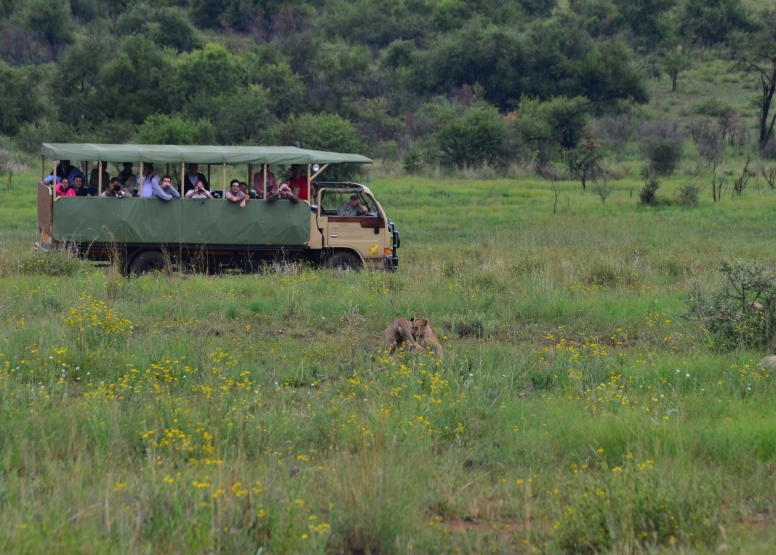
(574, 410)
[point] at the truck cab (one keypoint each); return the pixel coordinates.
(368, 235)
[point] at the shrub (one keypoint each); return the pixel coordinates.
(687, 195)
(741, 314)
(648, 194)
(663, 146)
(412, 162)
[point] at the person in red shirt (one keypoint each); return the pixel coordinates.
(297, 178)
(258, 183)
(64, 189)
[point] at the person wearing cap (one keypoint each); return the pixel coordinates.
(284, 193)
(352, 208)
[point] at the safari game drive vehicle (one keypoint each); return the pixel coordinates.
(212, 234)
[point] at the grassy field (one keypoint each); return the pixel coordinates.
(574, 411)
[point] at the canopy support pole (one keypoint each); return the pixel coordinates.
(265, 182)
(250, 181)
(54, 180)
(42, 167)
(141, 179)
(319, 172)
(223, 175)
(308, 184)
(183, 177)
(99, 179)
(208, 174)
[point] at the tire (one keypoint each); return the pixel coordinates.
(146, 262)
(344, 260)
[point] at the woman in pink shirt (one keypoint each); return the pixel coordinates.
(64, 189)
(258, 183)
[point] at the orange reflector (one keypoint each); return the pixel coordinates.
(387, 251)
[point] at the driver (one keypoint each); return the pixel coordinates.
(352, 208)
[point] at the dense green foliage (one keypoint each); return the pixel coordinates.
(238, 71)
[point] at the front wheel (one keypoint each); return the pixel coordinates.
(147, 262)
(344, 260)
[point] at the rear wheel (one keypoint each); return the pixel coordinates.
(344, 260)
(148, 261)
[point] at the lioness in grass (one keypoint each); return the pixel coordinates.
(399, 333)
(424, 336)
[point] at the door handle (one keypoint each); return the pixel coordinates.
(334, 236)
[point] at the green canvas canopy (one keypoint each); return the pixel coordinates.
(171, 154)
(195, 222)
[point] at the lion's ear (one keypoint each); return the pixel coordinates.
(412, 319)
(423, 322)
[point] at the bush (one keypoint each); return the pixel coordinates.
(687, 195)
(663, 146)
(742, 314)
(412, 162)
(648, 194)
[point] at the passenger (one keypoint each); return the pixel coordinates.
(296, 178)
(166, 191)
(352, 208)
(191, 179)
(244, 189)
(64, 169)
(64, 189)
(234, 194)
(199, 191)
(80, 190)
(150, 181)
(127, 179)
(284, 193)
(258, 183)
(94, 178)
(114, 189)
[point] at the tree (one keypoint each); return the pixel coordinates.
(473, 138)
(585, 161)
(20, 101)
(174, 130)
(324, 132)
(246, 117)
(758, 59)
(709, 22)
(674, 62)
(52, 21)
(644, 17)
(78, 80)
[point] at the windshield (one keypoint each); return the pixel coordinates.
(333, 199)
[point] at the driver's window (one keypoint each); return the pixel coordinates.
(332, 200)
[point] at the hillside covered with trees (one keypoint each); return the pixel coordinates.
(425, 82)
